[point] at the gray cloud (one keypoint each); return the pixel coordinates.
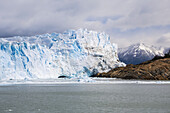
(164, 40)
(127, 21)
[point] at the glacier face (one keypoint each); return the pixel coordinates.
(75, 53)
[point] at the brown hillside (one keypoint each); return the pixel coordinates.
(150, 70)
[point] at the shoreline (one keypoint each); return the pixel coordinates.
(82, 81)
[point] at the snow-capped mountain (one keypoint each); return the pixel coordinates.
(139, 53)
(75, 53)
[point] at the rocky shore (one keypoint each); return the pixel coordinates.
(156, 69)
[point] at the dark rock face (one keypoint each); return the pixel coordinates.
(151, 70)
(63, 76)
(139, 58)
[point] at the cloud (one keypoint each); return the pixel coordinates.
(164, 40)
(103, 20)
(124, 20)
(144, 14)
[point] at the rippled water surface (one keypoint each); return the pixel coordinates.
(85, 98)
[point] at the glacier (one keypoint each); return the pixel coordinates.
(74, 54)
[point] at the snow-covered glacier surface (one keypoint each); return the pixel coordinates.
(74, 53)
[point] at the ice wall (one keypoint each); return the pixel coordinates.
(75, 53)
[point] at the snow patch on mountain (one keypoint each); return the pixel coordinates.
(74, 53)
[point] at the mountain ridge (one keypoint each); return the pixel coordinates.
(138, 53)
(155, 69)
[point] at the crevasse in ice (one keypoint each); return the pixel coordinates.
(75, 53)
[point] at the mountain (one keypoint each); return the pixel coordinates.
(139, 53)
(156, 69)
(74, 53)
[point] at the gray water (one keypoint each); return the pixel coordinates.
(85, 98)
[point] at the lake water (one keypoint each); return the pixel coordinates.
(85, 98)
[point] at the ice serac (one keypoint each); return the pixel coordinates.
(75, 53)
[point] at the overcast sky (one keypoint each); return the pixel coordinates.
(126, 21)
